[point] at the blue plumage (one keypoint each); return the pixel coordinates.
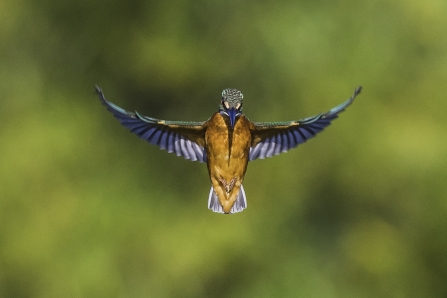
(156, 132)
(279, 137)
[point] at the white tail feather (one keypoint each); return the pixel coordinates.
(239, 205)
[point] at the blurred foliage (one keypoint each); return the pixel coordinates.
(89, 210)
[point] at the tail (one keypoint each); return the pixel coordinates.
(239, 205)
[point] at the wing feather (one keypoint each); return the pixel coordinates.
(292, 143)
(185, 139)
(171, 142)
(273, 138)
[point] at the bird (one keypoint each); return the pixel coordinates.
(226, 142)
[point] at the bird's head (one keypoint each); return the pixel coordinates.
(231, 104)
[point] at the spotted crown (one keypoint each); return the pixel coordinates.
(232, 96)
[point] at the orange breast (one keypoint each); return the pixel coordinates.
(227, 152)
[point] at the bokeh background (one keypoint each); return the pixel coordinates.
(89, 210)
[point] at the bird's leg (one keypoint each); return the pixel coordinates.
(225, 184)
(228, 186)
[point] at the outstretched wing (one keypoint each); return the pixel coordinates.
(185, 139)
(273, 138)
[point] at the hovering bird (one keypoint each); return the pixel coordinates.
(226, 142)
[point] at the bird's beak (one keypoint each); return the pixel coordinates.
(232, 113)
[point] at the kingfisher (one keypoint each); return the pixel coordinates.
(226, 142)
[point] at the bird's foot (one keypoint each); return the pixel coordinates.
(228, 186)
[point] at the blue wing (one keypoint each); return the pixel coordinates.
(273, 138)
(185, 139)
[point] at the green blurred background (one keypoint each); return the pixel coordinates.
(89, 210)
